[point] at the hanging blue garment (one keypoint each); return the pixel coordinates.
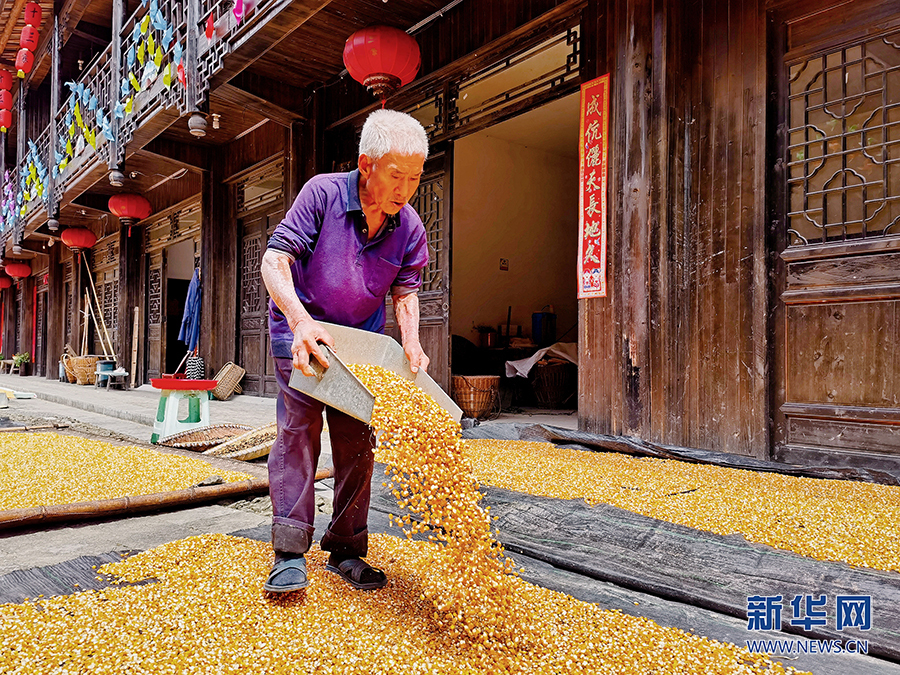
(190, 321)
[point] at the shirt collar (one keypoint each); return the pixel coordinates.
(354, 204)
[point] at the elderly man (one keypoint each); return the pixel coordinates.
(348, 239)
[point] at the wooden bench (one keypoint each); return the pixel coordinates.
(7, 366)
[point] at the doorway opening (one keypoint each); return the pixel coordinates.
(179, 270)
(515, 233)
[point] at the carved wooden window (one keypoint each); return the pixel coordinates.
(844, 144)
(251, 302)
(261, 187)
(154, 312)
(544, 67)
(429, 204)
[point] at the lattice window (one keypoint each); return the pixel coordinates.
(69, 310)
(429, 204)
(112, 252)
(154, 301)
(844, 145)
(251, 302)
(111, 305)
(39, 327)
(260, 188)
(542, 68)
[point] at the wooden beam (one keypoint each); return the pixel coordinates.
(10, 26)
(282, 21)
(239, 98)
(189, 155)
(90, 38)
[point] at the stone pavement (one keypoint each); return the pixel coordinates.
(131, 413)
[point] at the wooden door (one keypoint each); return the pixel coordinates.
(254, 353)
(156, 316)
(40, 339)
(432, 203)
(837, 313)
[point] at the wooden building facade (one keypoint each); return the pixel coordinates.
(753, 256)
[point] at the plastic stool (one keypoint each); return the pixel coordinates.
(173, 390)
(167, 422)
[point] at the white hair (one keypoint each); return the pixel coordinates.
(391, 131)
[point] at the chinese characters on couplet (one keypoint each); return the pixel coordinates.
(593, 171)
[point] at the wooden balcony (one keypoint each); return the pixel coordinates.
(161, 65)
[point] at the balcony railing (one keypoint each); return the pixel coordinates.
(99, 113)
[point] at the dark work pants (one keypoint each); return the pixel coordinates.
(292, 469)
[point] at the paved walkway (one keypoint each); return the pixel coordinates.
(131, 413)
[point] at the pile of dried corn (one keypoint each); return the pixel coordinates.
(208, 614)
(853, 522)
(49, 469)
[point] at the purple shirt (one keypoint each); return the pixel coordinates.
(338, 274)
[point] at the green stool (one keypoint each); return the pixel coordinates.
(173, 391)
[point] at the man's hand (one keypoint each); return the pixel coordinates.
(307, 336)
(417, 358)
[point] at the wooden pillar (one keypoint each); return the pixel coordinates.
(115, 66)
(219, 271)
(52, 206)
(614, 346)
(131, 286)
(56, 311)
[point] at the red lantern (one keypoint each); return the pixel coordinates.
(18, 270)
(130, 208)
(382, 58)
(6, 99)
(33, 14)
(5, 120)
(6, 80)
(78, 238)
(29, 38)
(24, 62)
(5, 282)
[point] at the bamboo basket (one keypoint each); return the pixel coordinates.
(555, 384)
(246, 441)
(204, 438)
(82, 368)
(228, 381)
(475, 394)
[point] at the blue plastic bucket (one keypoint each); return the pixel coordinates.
(105, 366)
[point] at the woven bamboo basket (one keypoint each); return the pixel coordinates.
(83, 368)
(246, 441)
(205, 437)
(475, 394)
(228, 379)
(254, 452)
(555, 384)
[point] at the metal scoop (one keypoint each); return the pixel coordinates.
(337, 387)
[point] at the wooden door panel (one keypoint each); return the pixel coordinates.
(838, 310)
(250, 350)
(842, 354)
